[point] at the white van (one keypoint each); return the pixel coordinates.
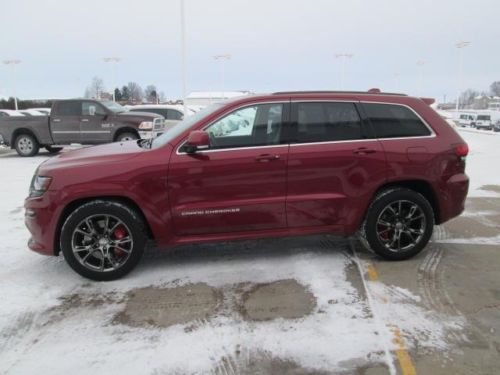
(467, 119)
(483, 121)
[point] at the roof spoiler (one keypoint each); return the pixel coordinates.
(428, 101)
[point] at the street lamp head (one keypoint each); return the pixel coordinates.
(226, 56)
(111, 59)
(12, 62)
(462, 44)
(346, 55)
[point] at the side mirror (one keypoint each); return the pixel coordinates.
(197, 140)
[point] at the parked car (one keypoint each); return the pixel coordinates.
(483, 122)
(31, 112)
(173, 114)
(10, 113)
(78, 121)
(45, 111)
(496, 127)
(385, 166)
(467, 120)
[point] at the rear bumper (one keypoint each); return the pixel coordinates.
(41, 220)
(453, 201)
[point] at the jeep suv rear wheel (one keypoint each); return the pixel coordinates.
(399, 224)
(103, 240)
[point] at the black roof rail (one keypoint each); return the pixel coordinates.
(369, 92)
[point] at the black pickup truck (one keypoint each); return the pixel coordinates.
(78, 121)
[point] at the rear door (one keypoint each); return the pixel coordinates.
(94, 127)
(334, 164)
(239, 183)
(65, 122)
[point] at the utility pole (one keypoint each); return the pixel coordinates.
(222, 59)
(460, 46)
(343, 57)
(183, 55)
(114, 61)
(13, 62)
(420, 64)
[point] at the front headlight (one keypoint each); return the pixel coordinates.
(39, 185)
(146, 125)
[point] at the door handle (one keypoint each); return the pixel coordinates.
(364, 151)
(56, 120)
(85, 120)
(267, 157)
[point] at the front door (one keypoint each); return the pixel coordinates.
(239, 183)
(93, 125)
(65, 122)
(333, 165)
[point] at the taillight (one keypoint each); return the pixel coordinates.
(461, 150)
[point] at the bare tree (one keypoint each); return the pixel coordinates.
(467, 97)
(151, 94)
(95, 89)
(495, 88)
(135, 92)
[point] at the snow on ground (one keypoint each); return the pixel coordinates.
(41, 331)
(482, 162)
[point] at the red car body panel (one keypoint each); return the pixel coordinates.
(252, 192)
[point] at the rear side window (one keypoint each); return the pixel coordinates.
(174, 115)
(158, 111)
(392, 121)
(324, 122)
(69, 109)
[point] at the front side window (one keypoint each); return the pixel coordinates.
(92, 109)
(174, 115)
(69, 109)
(394, 121)
(326, 122)
(257, 125)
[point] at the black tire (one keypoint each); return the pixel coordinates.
(133, 224)
(26, 145)
(372, 229)
(127, 136)
(53, 149)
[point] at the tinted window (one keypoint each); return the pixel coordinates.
(92, 109)
(257, 125)
(69, 109)
(174, 115)
(390, 121)
(3, 114)
(323, 122)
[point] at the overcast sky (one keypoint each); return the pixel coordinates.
(275, 44)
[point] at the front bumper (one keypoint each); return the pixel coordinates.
(41, 219)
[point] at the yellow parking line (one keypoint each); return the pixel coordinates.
(404, 359)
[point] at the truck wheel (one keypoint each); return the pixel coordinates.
(103, 240)
(53, 150)
(26, 145)
(399, 224)
(123, 137)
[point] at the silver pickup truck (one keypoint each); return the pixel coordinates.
(78, 121)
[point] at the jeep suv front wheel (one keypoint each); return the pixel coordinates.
(103, 240)
(399, 224)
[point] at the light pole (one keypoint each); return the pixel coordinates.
(344, 57)
(222, 59)
(113, 61)
(420, 64)
(460, 46)
(397, 84)
(13, 63)
(183, 55)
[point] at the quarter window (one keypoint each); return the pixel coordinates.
(324, 122)
(257, 125)
(391, 121)
(69, 109)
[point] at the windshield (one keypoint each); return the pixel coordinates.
(114, 107)
(483, 117)
(184, 125)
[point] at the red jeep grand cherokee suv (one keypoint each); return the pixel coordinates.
(289, 163)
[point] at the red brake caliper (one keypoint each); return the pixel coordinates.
(119, 233)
